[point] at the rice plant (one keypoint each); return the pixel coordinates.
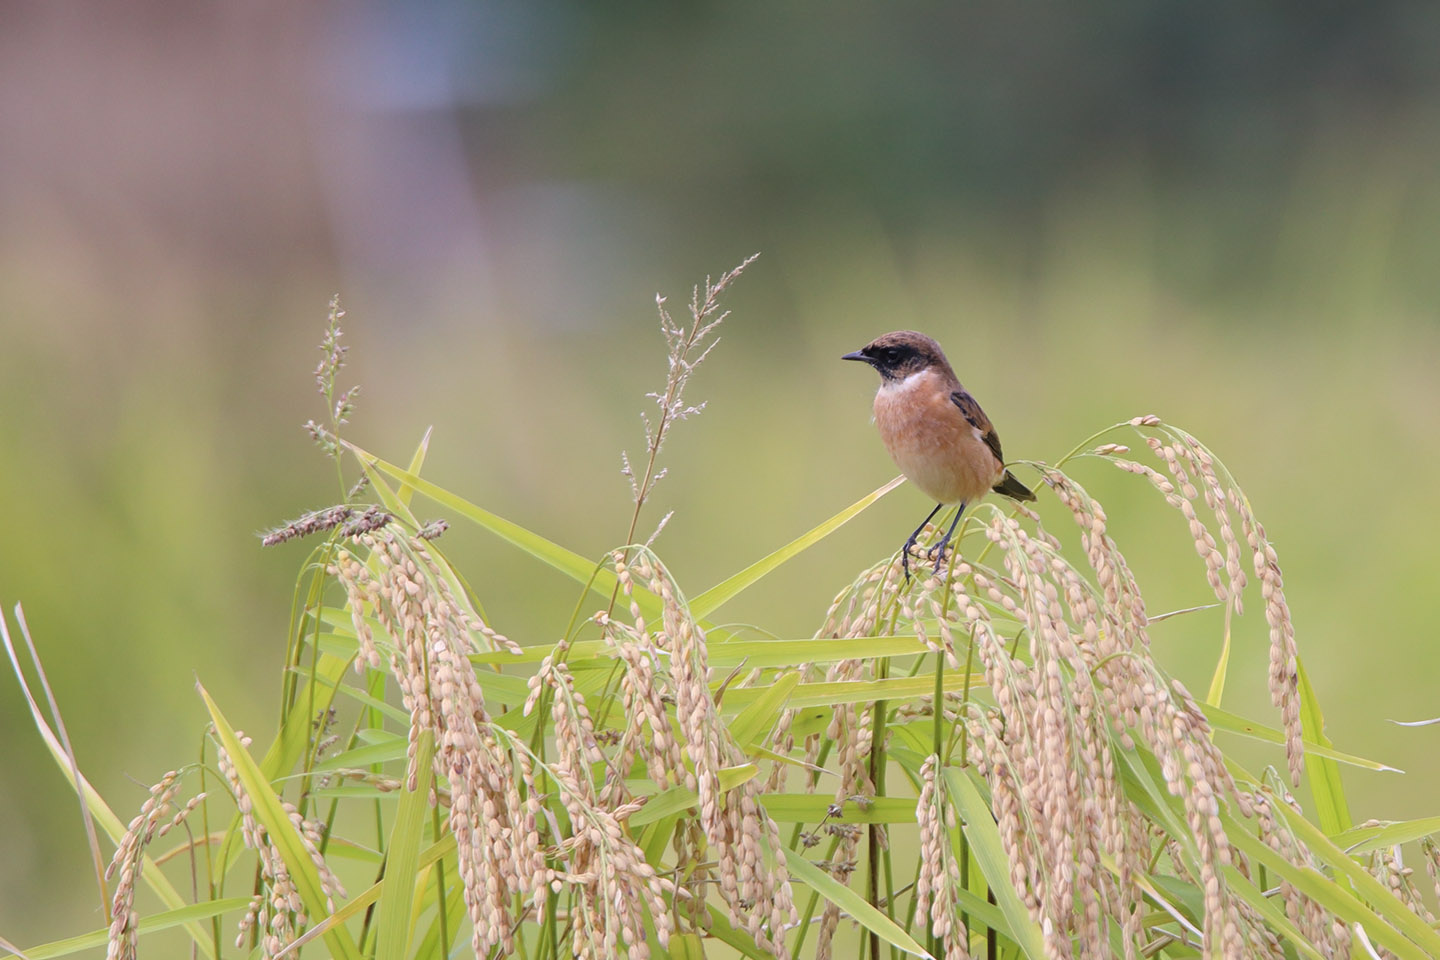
(987, 762)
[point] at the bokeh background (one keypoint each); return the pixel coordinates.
(1227, 214)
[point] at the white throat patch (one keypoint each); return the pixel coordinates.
(909, 382)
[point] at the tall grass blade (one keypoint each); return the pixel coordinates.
(1322, 772)
(1245, 727)
(852, 903)
(431, 947)
(979, 826)
(392, 936)
(417, 460)
(100, 810)
(272, 816)
(1361, 840)
(831, 692)
(566, 561)
(1222, 666)
(286, 749)
(678, 799)
(738, 940)
(62, 736)
(1245, 890)
(1394, 913)
(165, 920)
(707, 602)
(756, 720)
(1327, 893)
(362, 901)
(791, 653)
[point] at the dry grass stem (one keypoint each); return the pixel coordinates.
(687, 346)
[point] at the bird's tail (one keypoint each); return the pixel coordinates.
(1013, 488)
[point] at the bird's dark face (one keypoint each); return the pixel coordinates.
(898, 355)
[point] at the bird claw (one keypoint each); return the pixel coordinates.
(937, 553)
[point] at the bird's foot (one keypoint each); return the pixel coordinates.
(905, 557)
(937, 554)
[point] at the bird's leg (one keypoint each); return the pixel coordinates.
(937, 552)
(905, 551)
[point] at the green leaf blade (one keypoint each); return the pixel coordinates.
(852, 903)
(397, 900)
(267, 810)
(724, 591)
(989, 852)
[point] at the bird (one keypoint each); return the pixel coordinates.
(935, 431)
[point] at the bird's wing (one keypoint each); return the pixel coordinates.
(972, 412)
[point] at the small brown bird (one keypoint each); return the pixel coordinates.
(935, 431)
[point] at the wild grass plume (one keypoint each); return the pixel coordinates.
(686, 348)
(990, 761)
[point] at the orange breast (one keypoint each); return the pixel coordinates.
(931, 441)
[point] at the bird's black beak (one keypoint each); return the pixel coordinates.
(857, 355)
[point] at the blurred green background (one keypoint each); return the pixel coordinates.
(1227, 214)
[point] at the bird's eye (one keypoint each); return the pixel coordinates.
(892, 355)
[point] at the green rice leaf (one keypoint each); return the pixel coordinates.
(705, 604)
(667, 803)
(362, 901)
(790, 653)
(105, 818)
(272, 816)
(581, 651)
(389, 499)
(1144, 788)
(1222, 665)
(1245, 727)
(1173, 894)
(655, 839)
(375, 703)
(288, 746)
(392, 932)
(430, 947)
(1322, 772)
(151, 924)
(723, 930)
(343, 849)
(289, 743)
(683, 946)
(601, 579)
(985, 846)
(852, 903)
(1394, 913)
(854, 691)
(393, 748)
(1325, 891)
(979, 909)
(1247, 891)
(756, 720)
(417, 461)
(1361, 840)
(677, 799)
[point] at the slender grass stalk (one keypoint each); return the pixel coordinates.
(63, 735)
(877, 778)
(211, 881)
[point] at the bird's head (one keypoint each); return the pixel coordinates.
(897, 355)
